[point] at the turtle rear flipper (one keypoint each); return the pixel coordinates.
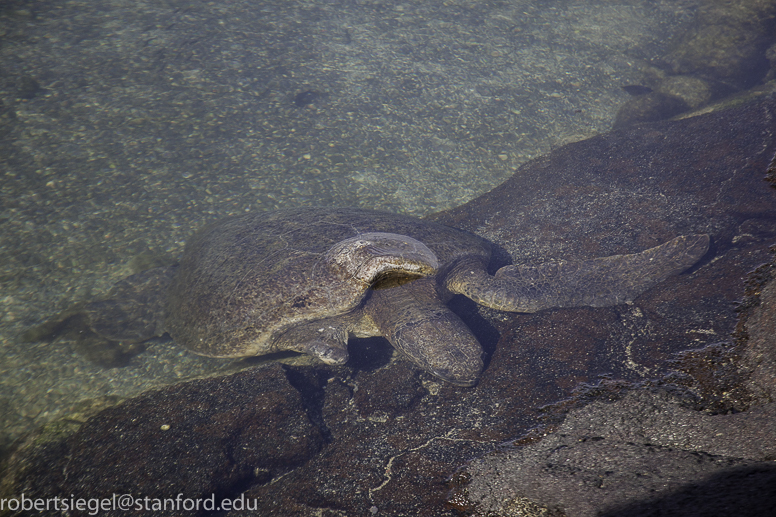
(111, 331)
(54, 326)
(73, 327)
(133, 310)
(598, 282)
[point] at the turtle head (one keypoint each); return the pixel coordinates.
(383, 259)
(439, 342)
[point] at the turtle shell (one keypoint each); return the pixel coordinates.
(245, 279)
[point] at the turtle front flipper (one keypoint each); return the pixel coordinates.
(598, 282)
(418, 324)
(133, 310)
(326, 339)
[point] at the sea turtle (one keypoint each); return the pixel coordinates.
(306, 279)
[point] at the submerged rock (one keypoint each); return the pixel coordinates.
(651, 107)
(727, 44)
(724, 52)
(212, 436)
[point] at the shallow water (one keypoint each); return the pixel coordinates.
(124, 126)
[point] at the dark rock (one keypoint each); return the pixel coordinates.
(212, 436)
(395, 433)
(727, 43)
(649, 453)
(744, 490)
(726, 50)
(645, 453)
(650, 107)
(695, 92)
(756, 345)
(631, 189)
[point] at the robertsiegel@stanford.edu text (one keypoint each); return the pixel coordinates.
(128, 502)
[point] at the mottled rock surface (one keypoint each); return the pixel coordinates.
(650, 454)
(645, 453)
(756, 343)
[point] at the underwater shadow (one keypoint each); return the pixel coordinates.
(749, 491)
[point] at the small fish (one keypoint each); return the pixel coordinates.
(303, 99)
